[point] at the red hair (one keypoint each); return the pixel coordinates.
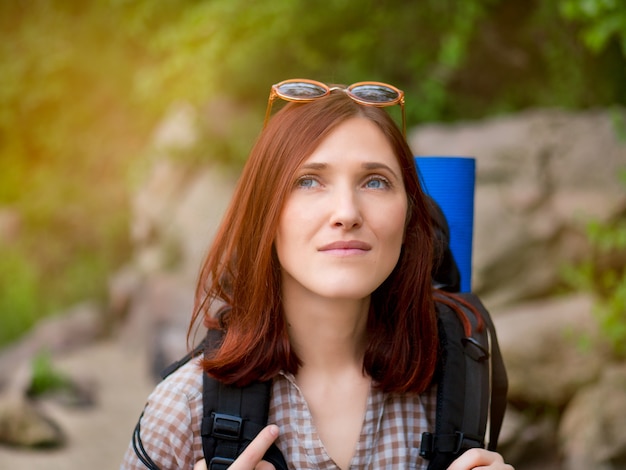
(241, 272)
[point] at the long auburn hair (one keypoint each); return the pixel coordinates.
(239, 288)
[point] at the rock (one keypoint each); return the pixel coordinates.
(177, 131)
(123, 285)
(38, 378)
(593, 428)
(63, 332)
(529, 442)
(153, 208)
(95, 438)
(176, 210)
(159, 317)
(202, 206)
(534, 189)
(175, 215)
(541, 345)
(512, 427)
(22, 424)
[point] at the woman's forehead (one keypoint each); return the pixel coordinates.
(356, 138)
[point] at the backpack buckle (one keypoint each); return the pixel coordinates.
(427, 446)
(441, 443)
(459, 443)
(226, 426)
(220, 463)
(474, 349)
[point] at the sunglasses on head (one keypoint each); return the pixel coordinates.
(375, 94)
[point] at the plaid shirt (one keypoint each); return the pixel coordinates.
(390, 436)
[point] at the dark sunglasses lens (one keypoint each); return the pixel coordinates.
(375, 93)
(300, 90)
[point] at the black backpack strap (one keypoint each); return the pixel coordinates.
(173, 367)
(232, 417)
(499, 380)
(139, 449)
(463, 395)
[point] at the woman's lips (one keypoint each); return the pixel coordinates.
(346, 247)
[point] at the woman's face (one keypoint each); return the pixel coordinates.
(342, 226)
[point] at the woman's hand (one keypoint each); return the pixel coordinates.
(250, 459)
(480, 458)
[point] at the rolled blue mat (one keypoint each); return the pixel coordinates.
(450, 182)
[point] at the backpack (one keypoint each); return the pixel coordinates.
(472, 387)
(471, 393)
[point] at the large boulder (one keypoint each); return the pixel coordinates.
(542, 345)
(176, 210)
(593, 428)
(528, 441)
(160, 312)
(23, 424)
(540, 175)
(556, 360)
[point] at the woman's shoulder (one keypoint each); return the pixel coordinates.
(186, 381)
(169, 427)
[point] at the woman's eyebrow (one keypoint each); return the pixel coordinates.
(378, 166)
(314, 166)
(366, 166)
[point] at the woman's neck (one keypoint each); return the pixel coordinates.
(329, 334)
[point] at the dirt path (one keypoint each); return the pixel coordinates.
(98, 436)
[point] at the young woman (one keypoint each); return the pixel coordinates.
(321, 278)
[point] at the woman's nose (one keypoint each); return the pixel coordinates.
(346, 210)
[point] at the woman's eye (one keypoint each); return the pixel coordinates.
(377, 182)
(307, 182)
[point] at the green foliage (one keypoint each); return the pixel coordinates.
(45, 377)
(239, 47)
(38, 278)
(19, 302)
(453, 58)
(68, 131)
(82, 85)
(603, 273)
(602, 21)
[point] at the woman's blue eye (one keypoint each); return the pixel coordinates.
(306, 182)
(377, 183)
